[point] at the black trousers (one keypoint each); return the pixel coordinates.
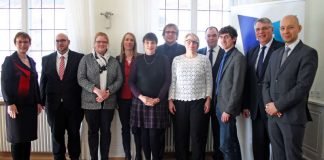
(152, 141)
(190, 123)
(260, 139)
(61, 120)
(20, 151)
(124, 117)
(138, 142)
(99, 120)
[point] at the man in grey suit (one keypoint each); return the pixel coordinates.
(257, 61)
(215, 54)
(229, 89)
(287, 83)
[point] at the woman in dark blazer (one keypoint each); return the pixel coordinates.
(149, 82)
(124, 98)
(21, 95)
(100, 77)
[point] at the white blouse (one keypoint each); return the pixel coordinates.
(191, 78)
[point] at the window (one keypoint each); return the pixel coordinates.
(42, 19)
(193, 16)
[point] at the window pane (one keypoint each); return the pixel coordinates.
(161, 19)
(226, 18)
(15, 3)
(216, 19)
(162, 4)
(202, 20)
(12, 35)
(60, 19)
(4, 4)
(37, 56)
(35, 3)
(216, 4)
(226, 5)
(48, 40)
(185, 21)
(48, 19)
(36, 41)
(4, 39)
(184, 4)
(171, 16)
(47, 3)
(172, 4)
(35, 19)
(202, 41)
(59, 4)
(15, 18)
(203, 4)
(4, 16)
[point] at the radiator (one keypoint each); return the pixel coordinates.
(42, 144)
(169, 142)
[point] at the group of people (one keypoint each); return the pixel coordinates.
(171, 82)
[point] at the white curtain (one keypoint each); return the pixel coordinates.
(80, 24)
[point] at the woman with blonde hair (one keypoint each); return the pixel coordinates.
(128, 53)
(189, 99)
(100, 77)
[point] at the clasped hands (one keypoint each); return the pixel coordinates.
(148, 101)
(101, 94)
(271, 109)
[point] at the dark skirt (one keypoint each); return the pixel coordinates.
(24, 127)
(149, 117)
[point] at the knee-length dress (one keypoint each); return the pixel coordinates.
(19, 86)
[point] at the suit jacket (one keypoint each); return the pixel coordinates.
(288, 85)
(89, 77)
(54, 90)
(215, 66)
(253, 84)
(231, 84)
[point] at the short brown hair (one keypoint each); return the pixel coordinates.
(22, 35)
(101, 34)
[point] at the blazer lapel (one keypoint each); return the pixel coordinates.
(290, 57)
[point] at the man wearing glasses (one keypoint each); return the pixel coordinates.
(257, 61)
(61, 96)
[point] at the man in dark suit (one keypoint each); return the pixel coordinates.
(229, 89)
(287, 82)
(215, 54)
(61, 96)
(257, 61)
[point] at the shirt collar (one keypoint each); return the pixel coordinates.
(65, 55)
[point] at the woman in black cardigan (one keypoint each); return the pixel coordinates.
(20, 91)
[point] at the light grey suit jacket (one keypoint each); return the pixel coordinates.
(288, 86)
(88, 78)
(231, 84)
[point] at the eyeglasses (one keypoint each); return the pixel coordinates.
(105, 42)
(189, 41)
(170, 32)
(61, 40)
(262, 29)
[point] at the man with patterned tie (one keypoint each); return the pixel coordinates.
(215, 54)
(61, 96)
(287, 82)
(257, 61)
(229, 89)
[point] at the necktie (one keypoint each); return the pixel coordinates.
(284, 55)
(211, 56)
(220, 71)
(61, 67)
(260, 62)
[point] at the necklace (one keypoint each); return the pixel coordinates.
(151, 61)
